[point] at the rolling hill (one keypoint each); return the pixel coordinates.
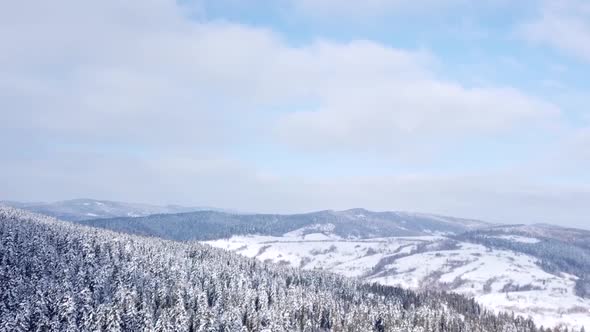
(354, 223)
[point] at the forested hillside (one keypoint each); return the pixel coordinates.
(56, 276)
(558, 249)
(210, 225)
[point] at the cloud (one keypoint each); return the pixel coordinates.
(574, 151)
(375, 8)
(564, 25)
(364, 8)
(401, 114)
(154, 76)
(361, 13)
(93, 74)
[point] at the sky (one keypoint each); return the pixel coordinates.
(466, 108)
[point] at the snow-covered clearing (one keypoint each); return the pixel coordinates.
(499, 279)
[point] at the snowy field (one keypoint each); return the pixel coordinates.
(500, 280)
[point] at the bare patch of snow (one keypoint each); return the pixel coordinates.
(518, 238)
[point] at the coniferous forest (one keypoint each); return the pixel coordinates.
(56, 276)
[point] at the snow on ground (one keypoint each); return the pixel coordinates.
(353, 258)
(499, 279)
(547, 308)
(518, 238)
(325, 229)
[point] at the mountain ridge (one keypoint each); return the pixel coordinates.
(347, 223)
(86, 208)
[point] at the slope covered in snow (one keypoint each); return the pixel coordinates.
(502, 280)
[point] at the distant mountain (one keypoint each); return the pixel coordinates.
(578, 237)
(83, 209)
(354, 223)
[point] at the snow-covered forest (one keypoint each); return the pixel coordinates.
(56, 276)
(538, 271)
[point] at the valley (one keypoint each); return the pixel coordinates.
(501, 280)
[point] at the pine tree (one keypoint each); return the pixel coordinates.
(113, 320)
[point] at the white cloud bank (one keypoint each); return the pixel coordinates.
(564, 25)
(143, 71)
